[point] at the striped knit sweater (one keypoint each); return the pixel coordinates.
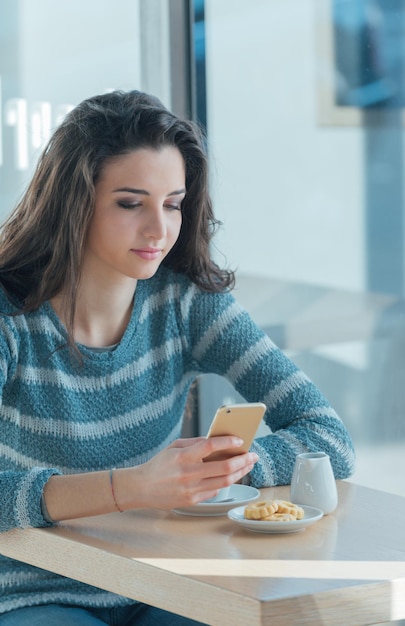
(120, 407)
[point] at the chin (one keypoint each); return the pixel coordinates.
(146, 273)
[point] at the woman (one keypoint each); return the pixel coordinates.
(110, 307)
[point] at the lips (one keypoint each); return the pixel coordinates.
(148, 254)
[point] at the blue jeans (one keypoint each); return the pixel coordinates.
(60, 615)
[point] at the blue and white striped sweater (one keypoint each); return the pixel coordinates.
(120, 407)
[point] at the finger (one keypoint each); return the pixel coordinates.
(186, 443)
(239, 464)
(227, 444)
(197, 448)
(210, 486)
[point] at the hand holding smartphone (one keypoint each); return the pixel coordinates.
(240, 420)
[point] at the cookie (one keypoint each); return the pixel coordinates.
(284, 506)
(280, 517)
(259, 510)
(274, 511)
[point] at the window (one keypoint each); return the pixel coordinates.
(311, 200)
(55, 54)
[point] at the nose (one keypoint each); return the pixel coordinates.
(155, 226)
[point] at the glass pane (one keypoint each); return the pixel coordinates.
(54, 54)
(305, 123)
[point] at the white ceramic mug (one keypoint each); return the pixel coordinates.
(313, 482)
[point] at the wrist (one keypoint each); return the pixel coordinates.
(126, 488)
(111, 475)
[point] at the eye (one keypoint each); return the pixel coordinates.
(128, 205)
(173, 207)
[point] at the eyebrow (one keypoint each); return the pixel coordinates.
(143, 192)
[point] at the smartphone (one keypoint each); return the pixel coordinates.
(241, 420)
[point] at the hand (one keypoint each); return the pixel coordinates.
(178, 477)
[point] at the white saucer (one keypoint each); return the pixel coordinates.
(238, 495)
(311, 515)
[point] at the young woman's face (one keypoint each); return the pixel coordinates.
(137, 216)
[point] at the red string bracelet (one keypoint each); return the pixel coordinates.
(112, 490)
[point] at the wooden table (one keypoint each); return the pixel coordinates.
(348, 568)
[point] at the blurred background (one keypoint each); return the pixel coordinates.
(303, 103)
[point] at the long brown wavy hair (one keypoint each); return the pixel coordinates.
(43, 240)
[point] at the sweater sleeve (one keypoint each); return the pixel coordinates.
(20, 489)
(226, 341)
(21, 498)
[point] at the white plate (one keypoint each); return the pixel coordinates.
(239, 494)
(311, 515)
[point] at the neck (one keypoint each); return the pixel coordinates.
(102, 312)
